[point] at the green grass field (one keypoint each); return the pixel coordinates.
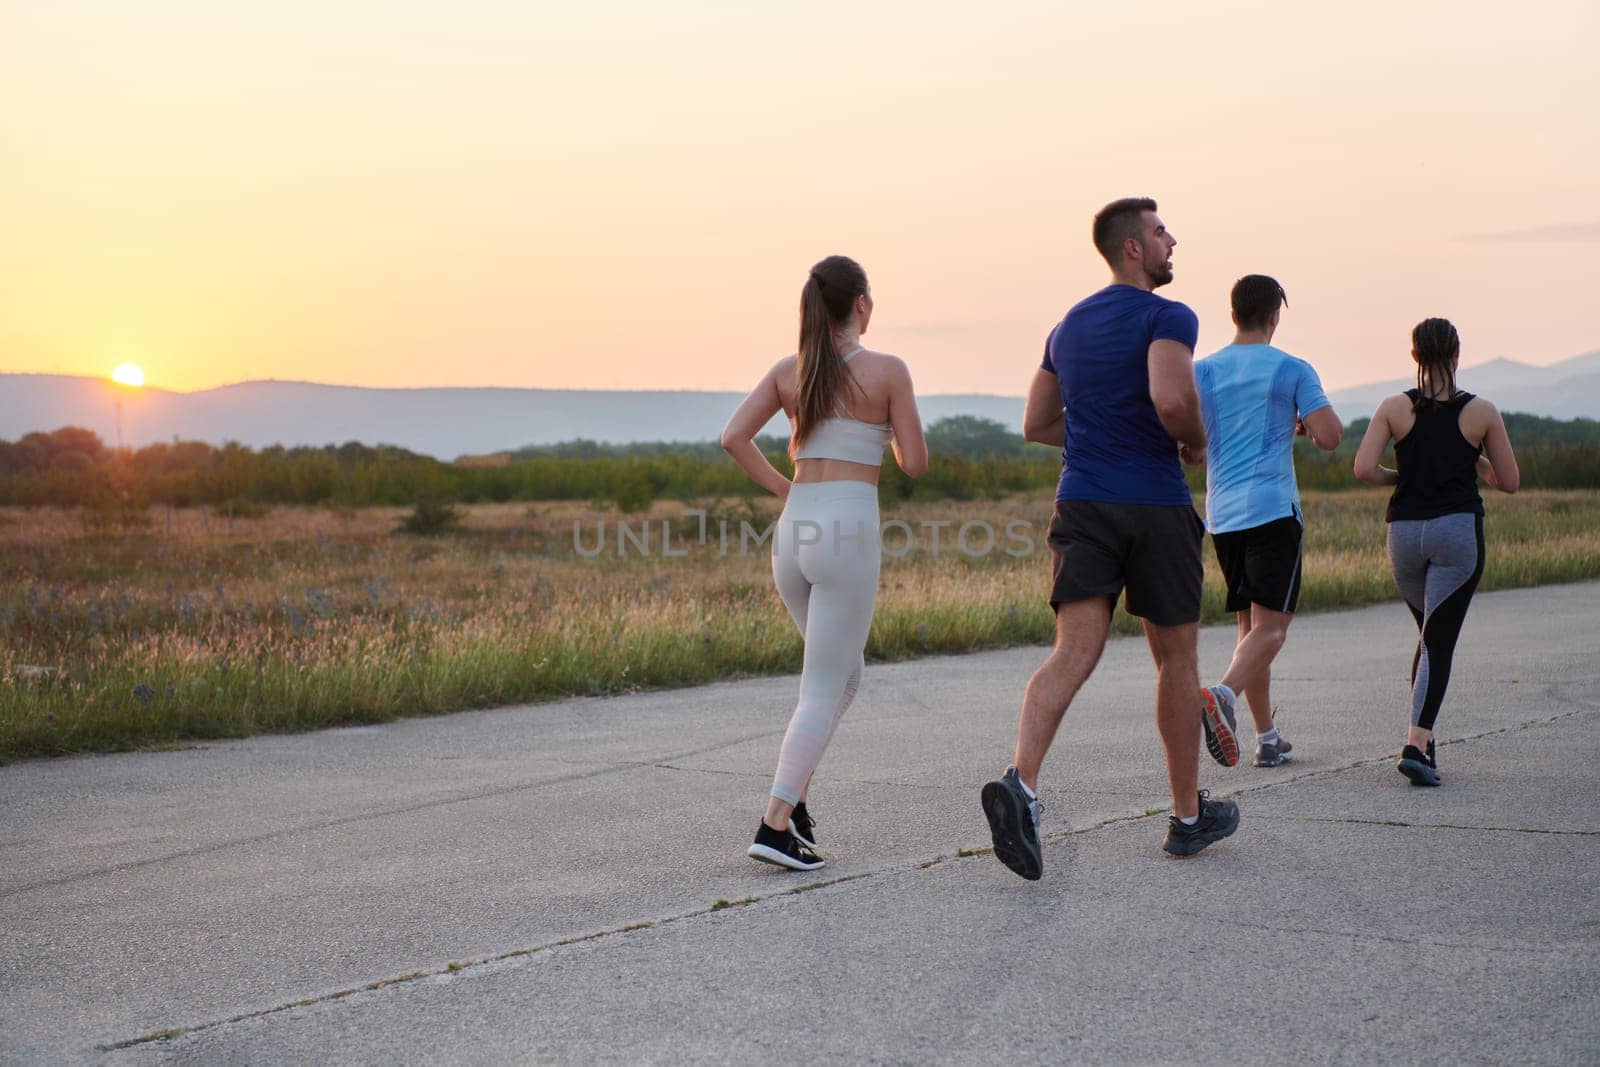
(195, 627)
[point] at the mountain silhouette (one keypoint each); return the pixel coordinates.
(1566, 390)
(450, 422)
(444, 423)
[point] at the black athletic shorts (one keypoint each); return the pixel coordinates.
(1151, 550)
(1261, 565)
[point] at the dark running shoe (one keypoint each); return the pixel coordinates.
(779, 848)
(1218, 819)
(1216, 715)
(1014, 824)
(803, 826)
(1418, 765)
(1270, 755)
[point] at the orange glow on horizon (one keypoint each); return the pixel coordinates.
(628, 195)
(129, 374)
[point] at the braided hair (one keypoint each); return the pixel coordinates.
(1435, 344)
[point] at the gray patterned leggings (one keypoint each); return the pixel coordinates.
(1437, 564)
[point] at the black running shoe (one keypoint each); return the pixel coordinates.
(1418, 766)
(1218, 819)
(779, 848)
(1216, 715)
(803, 826)
(1014, 824)
(1270, 755)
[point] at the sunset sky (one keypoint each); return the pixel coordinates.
(627, 194)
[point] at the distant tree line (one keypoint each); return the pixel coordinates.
(954, 435)
(1551, 454)
(972, 457)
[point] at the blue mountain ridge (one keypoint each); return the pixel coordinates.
(451, 422)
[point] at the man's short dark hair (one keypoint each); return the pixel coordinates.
(1118, 221)
(1255, 298)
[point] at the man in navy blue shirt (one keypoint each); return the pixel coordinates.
(1116, 391)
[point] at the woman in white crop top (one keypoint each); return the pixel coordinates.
(846, 405)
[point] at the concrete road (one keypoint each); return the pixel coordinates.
(542, 883)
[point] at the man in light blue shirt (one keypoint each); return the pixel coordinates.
(1255, 399)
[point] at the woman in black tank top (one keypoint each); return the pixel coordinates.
(1435, 515)
(1437, 468)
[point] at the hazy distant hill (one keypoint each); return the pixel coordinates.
(1566, 390)
(447, 423)
(444, 423)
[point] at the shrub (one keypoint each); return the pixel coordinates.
(430, 518)
(631, 491)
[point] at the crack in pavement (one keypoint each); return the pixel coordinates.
(959, 854)
(1322, 772)
(1517, 947)
(456, 967)
(346, 820)
(760, 775)
(666, 763)
(1428, 825)
(767, 776)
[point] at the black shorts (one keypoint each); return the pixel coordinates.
(1261, 565)
(1151, 550)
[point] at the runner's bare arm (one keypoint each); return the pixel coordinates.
(1044, 419)
(1499, 466)
(1379, 433)
(1173, 392)
(910, 447)
(1324, 428)
(738, 437)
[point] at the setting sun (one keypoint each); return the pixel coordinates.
(128, 374)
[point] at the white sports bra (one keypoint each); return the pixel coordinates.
(848, 439)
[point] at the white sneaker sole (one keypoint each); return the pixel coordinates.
(781, 859)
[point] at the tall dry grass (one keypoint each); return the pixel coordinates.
(195, 627)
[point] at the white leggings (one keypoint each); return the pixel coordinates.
(825, 562)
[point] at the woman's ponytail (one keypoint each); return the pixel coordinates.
(1435, 344)
(821, 374)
